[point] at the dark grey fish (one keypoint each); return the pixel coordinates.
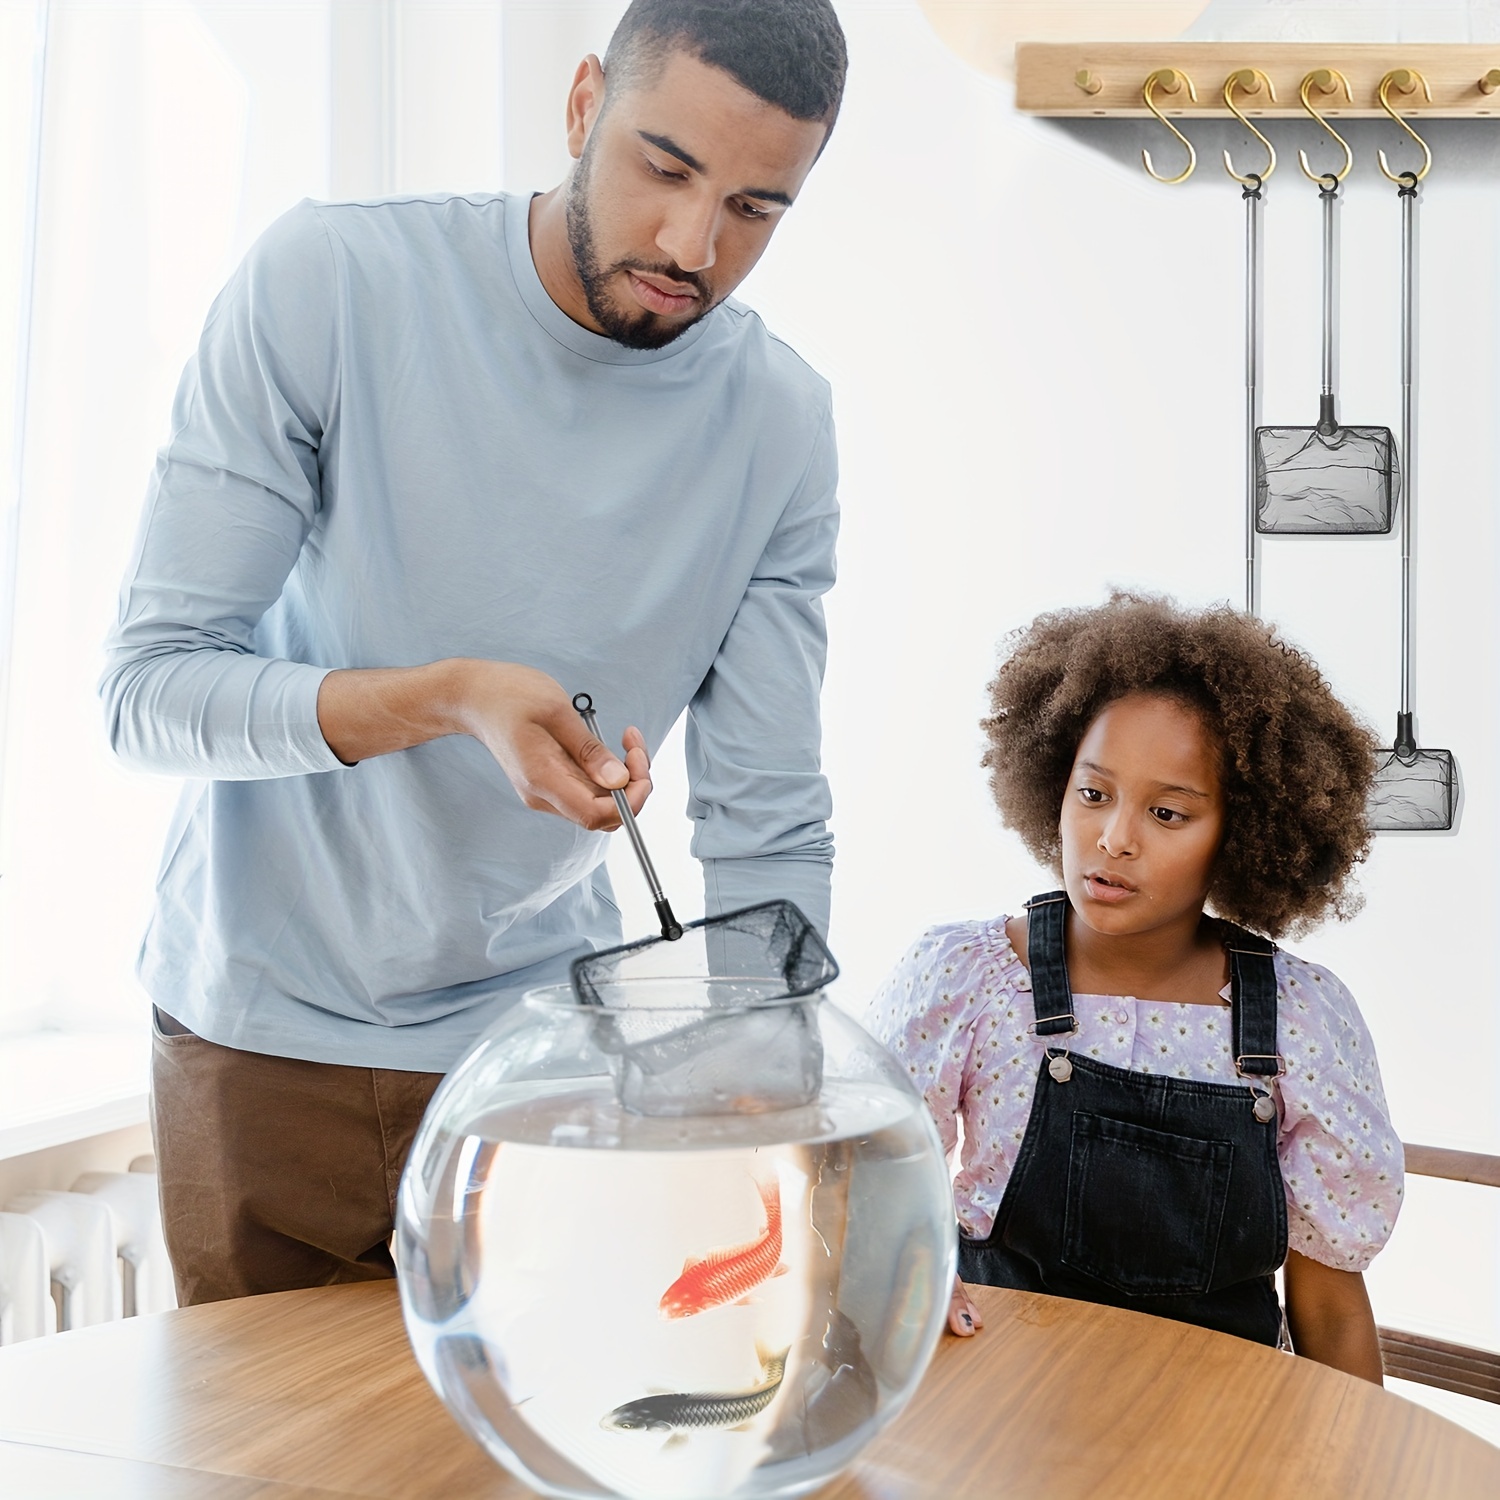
(694, 1411)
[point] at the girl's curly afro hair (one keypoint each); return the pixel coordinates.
(1297, 765)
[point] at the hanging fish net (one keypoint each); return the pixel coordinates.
(1325, 480)
(1414, 793)
(703, 1025)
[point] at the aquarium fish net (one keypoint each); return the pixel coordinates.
(701, 1026)
(759, 953)
(1315, 481)
(1415, 793)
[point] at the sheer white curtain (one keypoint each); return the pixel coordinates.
(23, 32)
(171, 134)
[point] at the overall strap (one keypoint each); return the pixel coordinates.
(1051, 994)
(1252, 975)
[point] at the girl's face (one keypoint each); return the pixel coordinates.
(1143, 816)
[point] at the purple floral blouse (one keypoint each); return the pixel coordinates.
(955, 1011)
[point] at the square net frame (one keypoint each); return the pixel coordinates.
(1415, 793)
(753, 955)
(717, 1021)
(1309, 481)
(1325, 480)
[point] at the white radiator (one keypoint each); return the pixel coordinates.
(71, 1259)
(26, 1308)
(82, 1264)
(145, 1271)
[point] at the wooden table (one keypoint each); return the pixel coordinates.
(316, 1394)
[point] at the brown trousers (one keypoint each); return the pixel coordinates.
(276, 1173)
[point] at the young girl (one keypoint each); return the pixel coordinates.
(1160, 1106)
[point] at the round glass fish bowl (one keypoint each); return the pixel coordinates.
(681, 1242)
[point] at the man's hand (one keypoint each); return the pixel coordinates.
(963, 1316)
(529, 724)
(521, 716)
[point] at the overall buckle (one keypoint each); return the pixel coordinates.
(1067, 1015)
(1244, 1057)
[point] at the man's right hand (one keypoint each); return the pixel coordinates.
(523, 717)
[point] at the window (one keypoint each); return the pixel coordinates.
(168, 135)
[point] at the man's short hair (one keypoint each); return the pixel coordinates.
(790, 53)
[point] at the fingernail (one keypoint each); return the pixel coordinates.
(966, 1320)
(613, 772)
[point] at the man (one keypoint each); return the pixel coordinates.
(438, 464)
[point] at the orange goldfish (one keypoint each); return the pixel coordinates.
(728, 1274)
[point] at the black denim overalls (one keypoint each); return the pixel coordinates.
(1159, 1194)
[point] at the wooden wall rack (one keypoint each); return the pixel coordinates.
(1106, 78)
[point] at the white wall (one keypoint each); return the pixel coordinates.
(1035, 355)
(1036, 359)
(57, 1168)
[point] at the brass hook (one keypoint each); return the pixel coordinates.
(1404, 80)
(1251, 80)
(1326, 81)
(1170, 79)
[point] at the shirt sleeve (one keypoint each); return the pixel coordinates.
(1341, 1159)
(758, 797)
(922, 1016)
(234, 493)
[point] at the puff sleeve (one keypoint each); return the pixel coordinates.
(1341, 1159)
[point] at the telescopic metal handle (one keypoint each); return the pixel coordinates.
(671, 928)
(1408, 195)
(1329, 192)
(1252, 192)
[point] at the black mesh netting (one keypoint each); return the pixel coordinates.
(1414, 793)
(767, 952)
(713, 1023)
(1315, 481)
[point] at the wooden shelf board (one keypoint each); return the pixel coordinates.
(1046, 78)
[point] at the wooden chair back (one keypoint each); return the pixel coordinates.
(1434, 1362)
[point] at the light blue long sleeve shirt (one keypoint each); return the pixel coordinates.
(392, 447)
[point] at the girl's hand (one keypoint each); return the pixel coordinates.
(963, 1316)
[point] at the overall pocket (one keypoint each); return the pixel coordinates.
(1144, 1206)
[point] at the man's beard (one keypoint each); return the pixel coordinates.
(641, 329)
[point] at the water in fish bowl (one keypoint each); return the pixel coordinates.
(626, 1305)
